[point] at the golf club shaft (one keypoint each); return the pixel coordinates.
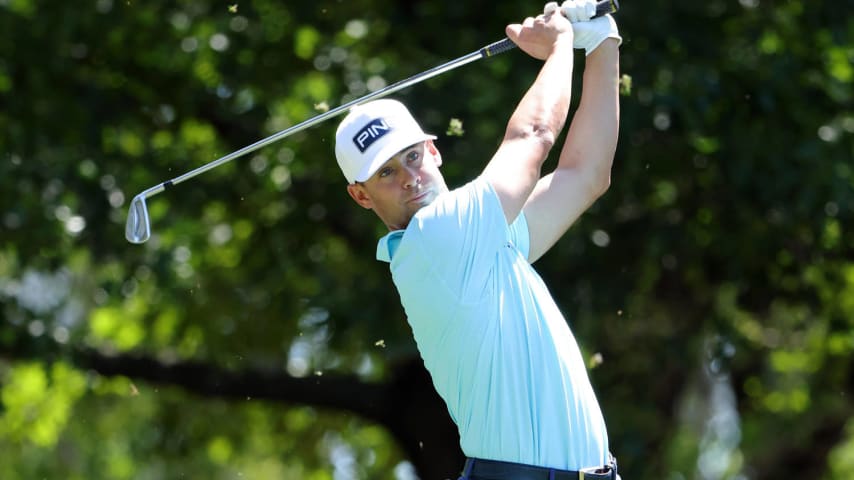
(603, 7)
(492, 49)
(138, 230)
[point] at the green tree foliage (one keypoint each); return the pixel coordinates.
(254, 336)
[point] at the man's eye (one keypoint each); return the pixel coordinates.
(385, 172)
(412, 156)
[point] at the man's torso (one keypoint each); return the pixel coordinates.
(499, 350)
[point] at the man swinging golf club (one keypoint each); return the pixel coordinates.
(498, 349)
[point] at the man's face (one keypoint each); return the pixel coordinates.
(401, 186)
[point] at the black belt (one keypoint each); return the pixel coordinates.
(479, 469)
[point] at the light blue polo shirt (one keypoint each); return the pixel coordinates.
(497, 347)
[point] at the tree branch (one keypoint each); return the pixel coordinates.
(342, 392)
(406, 404)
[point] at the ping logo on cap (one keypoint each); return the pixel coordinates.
(370, 133)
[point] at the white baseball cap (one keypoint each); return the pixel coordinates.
(371, 134)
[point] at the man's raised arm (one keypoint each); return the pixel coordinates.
(583, 172)
(541, 114)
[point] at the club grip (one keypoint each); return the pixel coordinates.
(495, 48)
(605, 7)
(602, 8)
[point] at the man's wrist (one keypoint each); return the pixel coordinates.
(563, 43)
(607, 52)
(609, 43)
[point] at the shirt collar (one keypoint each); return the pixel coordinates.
(388, 245)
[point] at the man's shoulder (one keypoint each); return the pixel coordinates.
(473, 196)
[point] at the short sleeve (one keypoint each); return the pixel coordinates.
(519, 235)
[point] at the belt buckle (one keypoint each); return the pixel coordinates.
(596, 472)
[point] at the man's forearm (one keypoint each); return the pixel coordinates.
(592, 138)
(541, 114)
(544, 107)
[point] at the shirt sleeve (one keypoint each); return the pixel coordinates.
(461, 233)
(519, 235)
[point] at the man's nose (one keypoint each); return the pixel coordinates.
(412, 177)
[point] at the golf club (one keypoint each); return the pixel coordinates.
(138, 227)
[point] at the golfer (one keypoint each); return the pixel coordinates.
(498, 349)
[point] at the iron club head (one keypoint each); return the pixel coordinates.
(138, 227)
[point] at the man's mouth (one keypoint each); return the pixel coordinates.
(418, 198)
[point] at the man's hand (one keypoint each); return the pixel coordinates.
(538, 36)
(588, 34)
(574, 10)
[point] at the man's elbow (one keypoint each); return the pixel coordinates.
(597, 183)
(545, 137)
(540, 136)
(602, 183)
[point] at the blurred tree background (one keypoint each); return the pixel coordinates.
(255, 336)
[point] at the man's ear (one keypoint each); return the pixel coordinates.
(434, 152)
(360, 195)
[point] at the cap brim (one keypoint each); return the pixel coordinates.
(387, 152)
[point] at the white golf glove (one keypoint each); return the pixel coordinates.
(578, 10)
(588, 34)
(573, 10)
